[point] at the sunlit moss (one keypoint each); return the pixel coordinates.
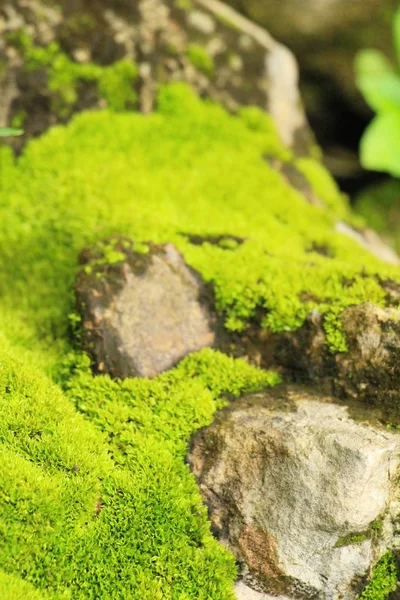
(97, 502)
(190, 169)
(383, 580)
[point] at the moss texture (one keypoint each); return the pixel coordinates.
(114, 83)
(383, 581)
(190, 170)
(97, 501)
(200, 59)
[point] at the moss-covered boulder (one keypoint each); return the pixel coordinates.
(57, 57)
(97, 501)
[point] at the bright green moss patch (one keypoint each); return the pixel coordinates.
(96, 502)
(15, 588)
(383, 581)
(191, 170)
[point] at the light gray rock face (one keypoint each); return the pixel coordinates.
(144, 313)
(244, 592)
(300, 492)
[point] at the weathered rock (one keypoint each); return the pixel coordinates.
(301, 493)
(368, 371)
(142, 313)
(204, 42)
(369, 239)
(325, 34)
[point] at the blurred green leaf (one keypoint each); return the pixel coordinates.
(377, 81)
(5, 131)
(380, 145)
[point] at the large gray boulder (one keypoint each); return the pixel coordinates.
(303, 494)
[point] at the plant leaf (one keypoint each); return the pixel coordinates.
(380, 144)
(377, 80)
(5, 131)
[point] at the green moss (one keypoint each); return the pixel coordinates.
(352, 538)
(201, 59)
(326, 189)
(15, 588)
(360, 536)
(184, 4)
(383, 580)
(226, 22)
(115, 82)
(97, 501)
(190, 169)
(18, 119)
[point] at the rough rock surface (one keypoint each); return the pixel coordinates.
(369, 369)
(244, 592)
(205, 43)
(143, 313)
(303, 494)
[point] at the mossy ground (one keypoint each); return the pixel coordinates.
(97, 501)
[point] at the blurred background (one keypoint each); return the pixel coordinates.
(325, 36)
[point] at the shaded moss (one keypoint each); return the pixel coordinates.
(201, 59)
(115, 83)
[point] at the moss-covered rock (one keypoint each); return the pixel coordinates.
(58, 58)
(97, 498)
